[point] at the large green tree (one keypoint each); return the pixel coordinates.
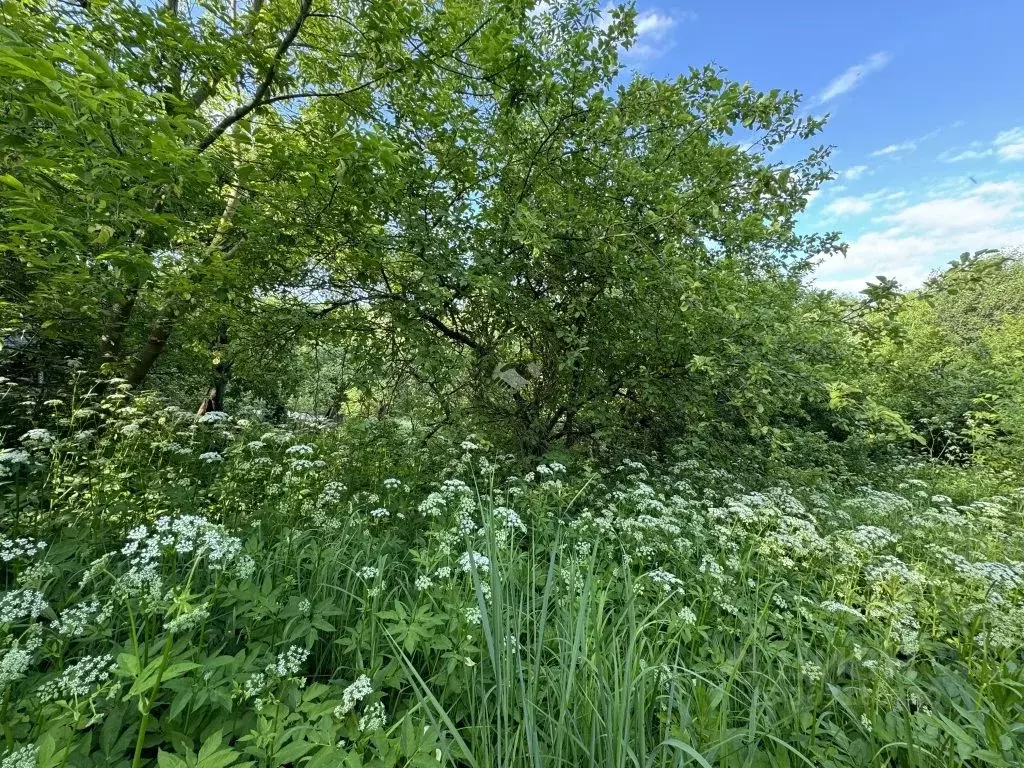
(473, 194)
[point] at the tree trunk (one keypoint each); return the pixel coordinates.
(214, 400)
(155, 344)
(110, 343)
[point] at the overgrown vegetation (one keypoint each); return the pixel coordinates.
(399, 384)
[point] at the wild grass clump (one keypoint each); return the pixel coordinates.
(221, 591)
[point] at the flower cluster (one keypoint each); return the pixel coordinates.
(21, 604)
(23, 546)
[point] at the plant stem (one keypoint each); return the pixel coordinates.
(144, 723)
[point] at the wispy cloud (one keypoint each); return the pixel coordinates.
(906, 146)
(1009, 145)
(652, 28)
(968, 154)
(909, 242)
(892, 149)
(852, 77)
(848, 206)
(854, 172)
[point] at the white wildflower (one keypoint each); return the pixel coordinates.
(14, 456)
(352, 695)
(213, 417)
(20, 547)
(373, 719)
(189, 620)
(14, 664)
(423, 581)
(289, 663)
(38, 435)
(21, 603)
(76, 619)
(23, 757)
(78, 680)
(469, 560)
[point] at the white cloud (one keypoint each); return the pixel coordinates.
(969, 154)
(855, 172)
(951, 214)
(652, 28)
(1010, 144)
(653, 25)
(848, 206)
(906, 146)
(851, 78)
(893, 149)
(917, 238)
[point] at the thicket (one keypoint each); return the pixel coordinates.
(401, 383)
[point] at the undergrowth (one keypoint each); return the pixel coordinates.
(220, 591)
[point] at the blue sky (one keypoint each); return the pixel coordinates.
(927, 114)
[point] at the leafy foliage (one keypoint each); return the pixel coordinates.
(264, 265)
(464, 612)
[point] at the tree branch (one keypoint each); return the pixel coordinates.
(268, 79)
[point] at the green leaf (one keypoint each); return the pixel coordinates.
(167, 760)
(290, 753)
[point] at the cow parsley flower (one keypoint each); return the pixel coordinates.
(669, 582)
(213, 417)
(811, 671)
(20, 547)
(352, 695)
(289, 663)
(254, 687)
(834, 606)
(469, 560)
(189, 620)
(300, 450)
(873, 537)
(13, 456)
(245, 567)
(211, 457)
(38, 435)
(423, 582)
(14, 664)
(509, 518)
(78, 680)
(21, 603)
(23, 757)
(76, 619)
(373, 719)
